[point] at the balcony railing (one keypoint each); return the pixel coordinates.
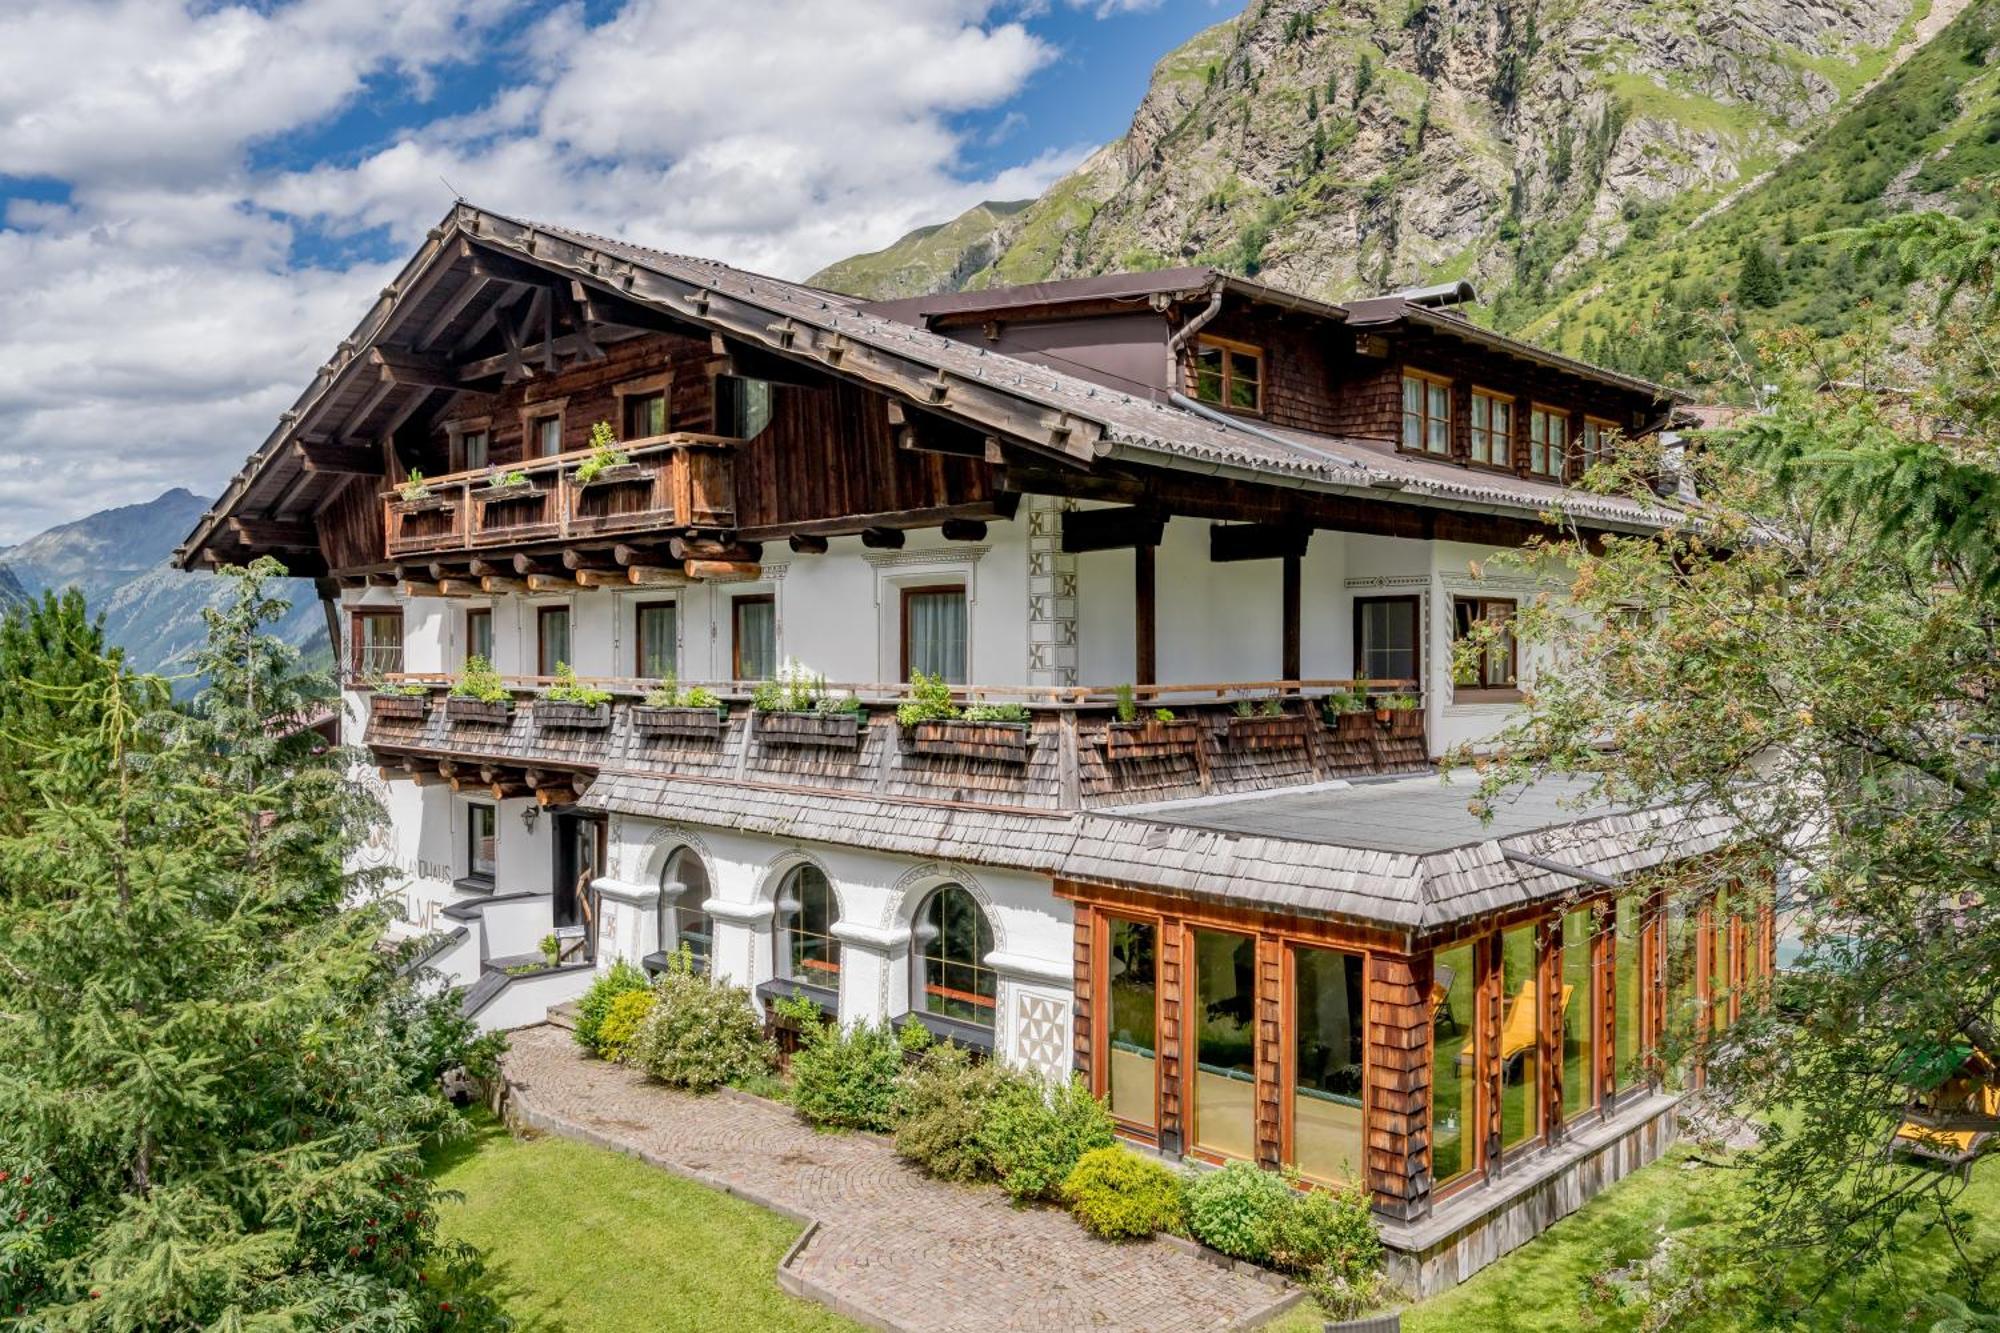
(1079, 746)
(670, 481)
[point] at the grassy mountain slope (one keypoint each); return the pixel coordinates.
(928, 259)
(1360, 145)
(118, 559)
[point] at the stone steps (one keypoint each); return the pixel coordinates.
(563, 1016)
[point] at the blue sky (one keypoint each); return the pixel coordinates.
(198, 198)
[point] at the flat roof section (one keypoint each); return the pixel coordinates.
(1414, 816)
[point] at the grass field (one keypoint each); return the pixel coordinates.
(588, 1241)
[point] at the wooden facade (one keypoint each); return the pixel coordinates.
(1400, 1048)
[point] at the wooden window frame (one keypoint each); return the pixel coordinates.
(1472, 1135)
(1607, 429)
(465, 652)
(533, 414)
(644, 387)
(904, 597)
(1100, 1017)
(1416, 604)
(1226, 346)
(782, 946)
(1191, 1041)
(472, 870)
(455, 433)
(358, 668)
(1472, 431)
(1483, 688)
(736, 605)
(1431, 380)
(1288, 1057)
(639, 610)
(920, 960)
(1557, 459)
(542, 614)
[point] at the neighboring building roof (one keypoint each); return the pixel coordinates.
(1403, 853)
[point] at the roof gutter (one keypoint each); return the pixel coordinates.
(1559, 868)
(1178, 343)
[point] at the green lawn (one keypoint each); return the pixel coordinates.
(588, 1241)
(1542, 1284)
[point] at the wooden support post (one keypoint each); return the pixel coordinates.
(1268, 1050)
(1289, 666)
(1145, 607)
(805, 543)
(1396, 1142)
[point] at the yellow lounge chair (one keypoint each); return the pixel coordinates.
(1518, 1032)
(1954, 1147)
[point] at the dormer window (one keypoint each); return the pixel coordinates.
(1229, 374)
(1426, 413)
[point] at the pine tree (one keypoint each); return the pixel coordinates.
(1312, 104)
(1364, 78)
(1760, 283)
(214, 1084)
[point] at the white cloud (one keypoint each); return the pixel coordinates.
(159, 318)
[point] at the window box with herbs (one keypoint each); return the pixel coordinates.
(479, 696)
(1402, 714)
(1267, 726)
(796, 710)
(934, 725)
(400, 703)
(415, 496)
(1351, 716)
(509, 486)
(1158, 736)
(693, 714)
(572, 706)
(606, 464)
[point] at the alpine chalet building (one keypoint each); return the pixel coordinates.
(1194, 552)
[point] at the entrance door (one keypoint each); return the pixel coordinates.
(579, 860)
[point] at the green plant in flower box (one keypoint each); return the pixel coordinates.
(414, 488)
(930, 701)
(567, 689)
(480, 681)
(604, 455)
(997, 713)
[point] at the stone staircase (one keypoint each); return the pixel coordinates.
(563, 1016)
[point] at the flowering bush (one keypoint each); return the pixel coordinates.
(701, 1033)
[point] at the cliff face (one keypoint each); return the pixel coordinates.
(1364, 145)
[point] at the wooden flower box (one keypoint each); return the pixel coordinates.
(1278, 731)
(571, 716)
(612, 476)
(694, 723)
(1152, 739)
(1406, 722)
(841, 730)
(1006, 742)
(422, 504)
(399, 707)
(520, 490)
(1353, 726)
(498, 713)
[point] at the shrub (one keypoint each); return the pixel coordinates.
(845, 1078)
(997, 713)
(1340, 1296)
(914, 1036)
(621, 1026)
(480, 681)
(622, 979)
(1036, 1134)
(568, 690)
(1233, 1210)
(929, 701)
(1326, 1230)
(941, 1107)
(702, 1033)
(1118, 1194)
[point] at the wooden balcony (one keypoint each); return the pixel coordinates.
(1073, 752)
(679, 482)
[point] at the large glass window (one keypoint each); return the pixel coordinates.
(1520, 1039)
(1493, 669)
(551, 639)
(684, 924)
(1385, 638)
(1628, 1046)
(953, 939)
(653, 633)
(1492, 429)
(1579, 1027)
(1454, 1068)
(1426, 414)
(482, 832)
(807, 952)
(1225, 1080)
(754, 637)
(1330, 1024)
(1134, 1012)
(934, 633)
(1680, 927)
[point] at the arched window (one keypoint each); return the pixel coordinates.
(953, 938)
(683, 923)
(807, 952)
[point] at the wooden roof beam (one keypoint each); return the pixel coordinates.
(269, 533)
(340, 460)
(1232, 542)
(1111, 529)
(402, 366)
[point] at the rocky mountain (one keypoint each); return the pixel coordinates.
(118, 559)
(1365, 145)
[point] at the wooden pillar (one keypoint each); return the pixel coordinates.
(1144, 612)
(1084, 1021)
(1289, 668)
(1491, 1009)
(1398, 1096)
(1269, 1050)
(1704, 990)
(1604, 1001)
(1653, 982)
(1549, 1041)
(1172, 981)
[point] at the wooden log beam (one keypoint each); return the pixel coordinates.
(441, 570)
(625, 553)
(1139, 526)
(469, 289)
(707, 548)
(724, 571)
(325, 458)
(601, 578)
(547, 796)
(577, 558)
(498, 586)
(267, 532)
(499, 569)
(1232, 542)
(964, 530)
(882, 539)
(731, 357)
(458, 588)
(416, 588)
(508, 791)
(402, 365)
(805, 543)
(655, 576)
(1003, 505)
(552, 583)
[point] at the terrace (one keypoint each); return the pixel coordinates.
(1072, 752)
